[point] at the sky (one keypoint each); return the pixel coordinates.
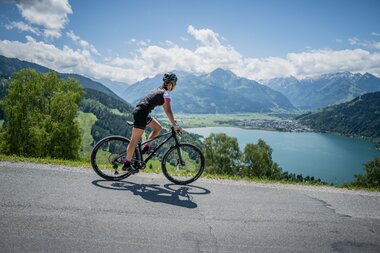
(128, 41)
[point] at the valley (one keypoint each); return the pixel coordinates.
(264, 121)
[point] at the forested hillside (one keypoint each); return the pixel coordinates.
(360, 117)
(111, 114)
(8, 66)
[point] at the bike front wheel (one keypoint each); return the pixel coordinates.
(183, 163)
(108, 156)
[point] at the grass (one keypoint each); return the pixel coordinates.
(117, 112)
(156, 168)
(86, 120)
(77, 163)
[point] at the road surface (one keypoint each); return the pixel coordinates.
(50, 208)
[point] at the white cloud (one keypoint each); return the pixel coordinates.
(52, 15)
(206, 36)
(140, 43)
(72, 36)
(170, 43)
(151, 60)
(376, 45)
(326, 61)
(363, 43)
(83, 43)
(22, 27)
(375, 34)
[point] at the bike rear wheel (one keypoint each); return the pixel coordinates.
(108, 156)
(183, 163)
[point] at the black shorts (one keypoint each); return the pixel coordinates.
(141, 117)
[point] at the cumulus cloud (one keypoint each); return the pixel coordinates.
(206, 36)
(51, 15)
(150, 60)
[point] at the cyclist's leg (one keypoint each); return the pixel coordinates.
(136, 135)
(140, 117)
(156, 129)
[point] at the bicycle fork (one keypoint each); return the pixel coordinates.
(181, 161)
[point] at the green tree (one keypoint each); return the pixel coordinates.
(222, 154)
(40, 110)
(372, 176)
(259, 163)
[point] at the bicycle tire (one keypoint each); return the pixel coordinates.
(184, 171)
(108, 156)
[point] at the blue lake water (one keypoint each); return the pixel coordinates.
(332, 158)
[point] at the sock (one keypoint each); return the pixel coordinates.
(127, 161)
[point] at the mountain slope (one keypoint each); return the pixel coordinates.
(360, 116)
(220, 91)
(328, 89)
(10, 65)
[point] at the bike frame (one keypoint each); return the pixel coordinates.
(172, 134)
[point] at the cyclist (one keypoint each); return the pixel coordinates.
(142, 119)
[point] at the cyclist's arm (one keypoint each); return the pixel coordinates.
(168, 111)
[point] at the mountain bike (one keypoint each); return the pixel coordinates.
(182, 163)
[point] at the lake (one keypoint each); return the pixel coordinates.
(332, 158)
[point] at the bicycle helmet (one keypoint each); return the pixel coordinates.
(170, 77)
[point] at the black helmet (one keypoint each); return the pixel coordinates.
(169, 77)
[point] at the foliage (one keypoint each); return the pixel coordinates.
(8, 66)
(4, 84)
(223, 157)
(107, 123)
(222, 154)
(372, 176)
(108, 101)
(259, 163)
(86, 121)
(39, 116)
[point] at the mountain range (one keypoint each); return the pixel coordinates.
(325, 90)
(220, 91)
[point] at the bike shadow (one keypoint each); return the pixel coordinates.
(172, 194)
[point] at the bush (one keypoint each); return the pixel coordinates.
(222, 154)
(372, 176)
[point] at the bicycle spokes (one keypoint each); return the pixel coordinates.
(183, 164)
(108, 157)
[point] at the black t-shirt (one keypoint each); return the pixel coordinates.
(155, 98)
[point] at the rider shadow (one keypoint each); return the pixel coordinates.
(171, 194)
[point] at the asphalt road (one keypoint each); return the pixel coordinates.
(46, 208)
